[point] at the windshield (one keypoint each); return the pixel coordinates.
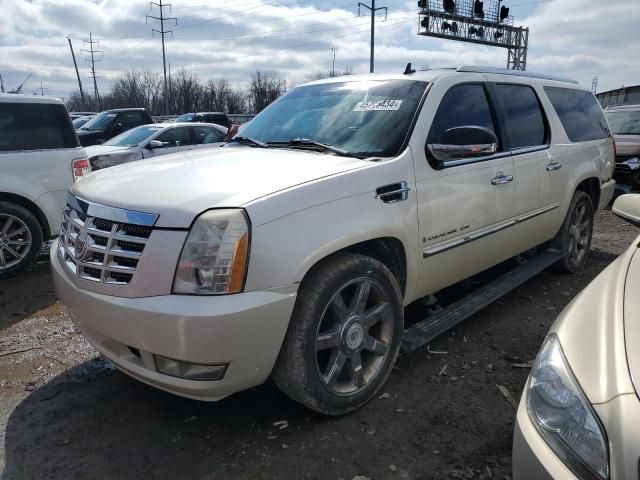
(133, 137)
(187, 117)
(624, 123)
(364, 118)
(99, 122)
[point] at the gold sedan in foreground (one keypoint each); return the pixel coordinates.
(579, 415)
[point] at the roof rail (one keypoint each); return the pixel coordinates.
(517, 73)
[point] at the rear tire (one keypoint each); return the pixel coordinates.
(574, 237)
(344, 336)
(20, 239)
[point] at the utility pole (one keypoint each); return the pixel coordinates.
(91, 42)
(73, 55)
(594, 85)
(162, 32)
(1, 85)
(373, 11)
(333, 63)
(42, 89)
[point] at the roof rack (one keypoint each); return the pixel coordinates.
(517, 73)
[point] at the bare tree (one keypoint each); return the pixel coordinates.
(264, 88)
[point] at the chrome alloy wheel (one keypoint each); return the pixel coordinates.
(354, 336)
(15, 241)
(579, 229)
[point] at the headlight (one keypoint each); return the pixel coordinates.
(563, 416)
(214, 256)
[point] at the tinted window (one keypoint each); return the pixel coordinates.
(365, 118)
(99, 122)
(131, 119)
(579, 112)
(462, 106)
(187, 117)
(203, 135)
(525, 121)
(624, 123)
(175, 137)
(218, 120)
(35, 126)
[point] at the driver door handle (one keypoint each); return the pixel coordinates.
(501, 179)
(553, 166)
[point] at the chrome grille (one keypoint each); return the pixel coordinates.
(101, 250)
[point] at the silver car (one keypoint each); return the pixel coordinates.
(148, 141)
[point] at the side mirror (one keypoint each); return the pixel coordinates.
(155, 144)
(118, 128)
(464, 142)
(627, 207)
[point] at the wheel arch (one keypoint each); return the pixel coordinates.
(388, 250)
(590, 186)
(32, 207)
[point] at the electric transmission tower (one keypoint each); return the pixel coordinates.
(92, 52)
(373, 10)
(162, 32)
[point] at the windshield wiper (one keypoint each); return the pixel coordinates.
(308, 142)
(249, 141)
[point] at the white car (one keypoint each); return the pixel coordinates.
(40, 158)
(148, 141)
(292, 251)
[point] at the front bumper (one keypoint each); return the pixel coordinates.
(244, 331)
(533, 459)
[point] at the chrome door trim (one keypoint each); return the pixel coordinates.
(477, 235)
(119, 215)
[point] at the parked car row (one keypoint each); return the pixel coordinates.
(625, 125)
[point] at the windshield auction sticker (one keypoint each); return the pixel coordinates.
(378, 106)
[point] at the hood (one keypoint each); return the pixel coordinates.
(105, 156)
(632, 319)
(88, 137)
(591, 331)
(627, 145)
(180, 186)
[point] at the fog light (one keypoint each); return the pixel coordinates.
(190, 371)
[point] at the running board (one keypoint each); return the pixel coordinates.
(426, 330)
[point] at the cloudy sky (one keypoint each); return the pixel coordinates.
(230, 38)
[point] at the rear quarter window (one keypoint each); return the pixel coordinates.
(579, 112)
(35, 126)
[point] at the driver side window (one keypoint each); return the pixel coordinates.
(462, 106)
(176, 137)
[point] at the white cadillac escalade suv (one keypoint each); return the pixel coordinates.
(292, 251)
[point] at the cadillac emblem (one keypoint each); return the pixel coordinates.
(81, 246)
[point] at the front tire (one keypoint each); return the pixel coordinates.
(574, 237)
(344, 336)
(20, 239)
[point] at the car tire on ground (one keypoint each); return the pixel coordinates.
(344, 335)
(20, 238)
(574, 237)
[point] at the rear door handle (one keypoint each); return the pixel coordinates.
(502, 179)
(553, 166)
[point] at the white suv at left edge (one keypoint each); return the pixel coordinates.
(40, 159)
(149, 141)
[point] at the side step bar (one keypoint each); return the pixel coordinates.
(426, 330)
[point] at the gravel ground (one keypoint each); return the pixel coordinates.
(67, 413)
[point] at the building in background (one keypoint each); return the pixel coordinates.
(620, 96)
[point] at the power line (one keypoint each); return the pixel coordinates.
(91, 42)
(293, 47)
(162, 32)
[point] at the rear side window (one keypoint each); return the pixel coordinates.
(579, 112)
(35, 126)
(131, 119)
(462, 106)
(525, 121)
